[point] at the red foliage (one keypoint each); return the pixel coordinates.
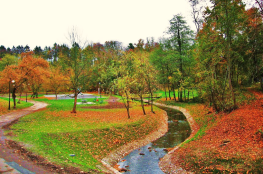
(236, 137)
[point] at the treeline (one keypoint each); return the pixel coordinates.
(224, 55)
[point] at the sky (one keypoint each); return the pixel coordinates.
(45, 22)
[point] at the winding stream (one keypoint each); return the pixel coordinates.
(145, 159)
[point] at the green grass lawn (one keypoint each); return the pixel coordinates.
(192, 93)
(67, 104)
(90, 134)
(4, 102)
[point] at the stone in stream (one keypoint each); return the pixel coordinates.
(123, 170)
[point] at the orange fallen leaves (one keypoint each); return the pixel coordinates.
(107, 116)
(234, 142)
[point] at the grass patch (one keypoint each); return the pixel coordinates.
(67, 104)
(192, 94)
(89, 134)
(4, 102)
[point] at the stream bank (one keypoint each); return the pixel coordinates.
(146, 158)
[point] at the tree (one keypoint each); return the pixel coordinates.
(250, 45)
(130, 46)
(260, 4)
(56, 81)
(28, 69)
(217, 56)
(7, 60)
(125, 81)
(77, 63)
(38, 50)
(181, 41)
(2, 51)
(144, 77)
(196, 13)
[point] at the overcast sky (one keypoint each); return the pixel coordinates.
(42, 23)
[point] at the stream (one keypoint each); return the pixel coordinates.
(145, 159)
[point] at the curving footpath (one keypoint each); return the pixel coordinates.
(17, 164)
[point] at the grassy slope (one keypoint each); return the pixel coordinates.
(4, 105)
(225, 142)
(90, 134)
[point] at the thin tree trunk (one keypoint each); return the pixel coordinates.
(14, 97)
(75, 101)
(169, 91)
(174, 93)
(142, 104)
(178, 94)
(127, 105)
(184, 96)
(165, 92)
(19, 97)
(188, 95)
(228, 36)
(152, 103)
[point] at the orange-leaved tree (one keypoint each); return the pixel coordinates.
(28, 69)
(57, 81)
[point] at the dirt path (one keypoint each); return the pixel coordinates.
(11, 155)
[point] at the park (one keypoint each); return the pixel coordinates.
(191, 102)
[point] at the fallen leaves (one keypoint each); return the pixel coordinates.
(90, 134)
(231, 143)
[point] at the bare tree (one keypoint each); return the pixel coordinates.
(197, 13)
(76, 63)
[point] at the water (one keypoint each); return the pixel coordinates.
(145, 159)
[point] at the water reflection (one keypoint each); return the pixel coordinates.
(145, 159)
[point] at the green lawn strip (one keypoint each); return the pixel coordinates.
(192, 93)
(67, 104)
(58, 137)
(4, 105)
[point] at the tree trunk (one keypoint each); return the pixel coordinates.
(165, 92)
(228, 46)
(188, 95)
(178, 94)
(169, 91)
(14, 97)
(75, 101)
(174, 93)
(127, 105)
(152, 101)
(142, 104)
(181, 95)
(19, 97)
(184, 96)
(56, 95)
